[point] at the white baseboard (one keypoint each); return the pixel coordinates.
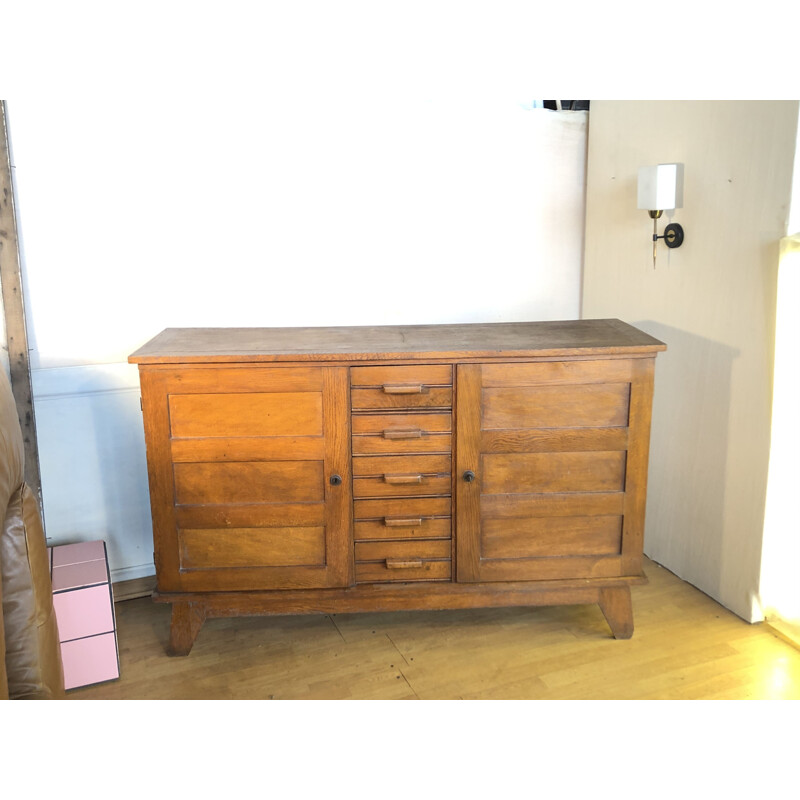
(132, 573)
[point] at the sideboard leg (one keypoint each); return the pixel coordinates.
(187, 619)
(618, 611)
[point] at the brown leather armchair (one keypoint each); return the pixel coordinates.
(30, 653)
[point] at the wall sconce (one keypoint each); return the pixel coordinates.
(661, 189)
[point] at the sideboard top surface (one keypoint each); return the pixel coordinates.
(543, 339)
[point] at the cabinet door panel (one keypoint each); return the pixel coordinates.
(240, 477)
(542, 537)
(213, 548)
(246, 414)
(559, 462)
(523, 473)
(579, 406)
(216, 483)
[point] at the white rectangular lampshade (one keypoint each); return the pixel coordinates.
(661, 187)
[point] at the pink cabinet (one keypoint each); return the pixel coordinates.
(84, 608)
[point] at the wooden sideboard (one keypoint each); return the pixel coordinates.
(324, 470)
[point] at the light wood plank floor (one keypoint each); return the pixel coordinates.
(685, 646)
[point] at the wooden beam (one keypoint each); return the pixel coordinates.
(14, 312)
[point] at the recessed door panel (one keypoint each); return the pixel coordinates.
(246, 414)
(577, 406)
(526, 473)
(219, 482)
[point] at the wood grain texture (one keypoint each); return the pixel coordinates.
(415, 549)
(555, 373)
(339, 498)
(212, 548)
(423, 375)
(390, 465)
(414, 570)
(467, 494)
(509, 340)
(403, 485)
(402, 528)
(533, 473)
(218, 483)
(187, 619)
(425, 443)
(386, 598)
(438, 422)
(402, 507)
(14, 318)
(155, 413)
(551, 537)
(551, 440)
(429, 397)
(638, 455)
(249, 448)
(577, 406)
(246, 414)
(618, 611)
(252, 515)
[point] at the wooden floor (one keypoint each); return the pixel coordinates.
(685, 646)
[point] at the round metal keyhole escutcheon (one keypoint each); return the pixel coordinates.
(336, 480)
(469, 476)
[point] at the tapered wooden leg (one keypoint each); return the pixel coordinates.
(618, 611)
(187, 619)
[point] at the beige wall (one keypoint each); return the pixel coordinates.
(713, 302)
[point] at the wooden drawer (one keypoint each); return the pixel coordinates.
(403, 528)
(401, 476)
(416, 386)
(428, 374)
(401, 433)
(403, 507)
(420, 549)
(378, 572)
(423, 559)
(407, 485)
(384, 398)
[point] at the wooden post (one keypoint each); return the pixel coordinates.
(14, 312)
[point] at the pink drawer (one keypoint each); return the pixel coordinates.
(84, 612)
(65, 554)
(90, 660)
(75, 576)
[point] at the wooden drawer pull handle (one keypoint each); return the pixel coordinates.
(402, 522)
(403, 388)
(409, 563)
(410, 433)
(402, 479)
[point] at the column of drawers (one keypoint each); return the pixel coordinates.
(402, 443)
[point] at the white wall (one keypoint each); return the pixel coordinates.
(713, 302)
(282, 205)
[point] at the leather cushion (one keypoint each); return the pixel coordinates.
(32, 663)
(33, 651)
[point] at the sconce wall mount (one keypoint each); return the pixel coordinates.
(673, 233)
(660, 189)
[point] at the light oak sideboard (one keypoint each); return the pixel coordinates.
(344, 469)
